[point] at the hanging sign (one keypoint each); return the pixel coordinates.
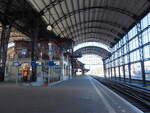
(16, 63)
(33, 63)
(51, 63)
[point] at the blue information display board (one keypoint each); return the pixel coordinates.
(33, 63)
(51, 63)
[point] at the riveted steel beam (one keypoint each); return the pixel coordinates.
(112, 31)
(114, 9)
(108, 36)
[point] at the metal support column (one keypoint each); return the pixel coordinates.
(141, 52)
(5, 35)
(115, 72)
(124, 75)
(128, 57)
(118, 61)
(83, 73)
(114, 67)
(104, 69)
(123, 60)
(35, 31)
(72, 66)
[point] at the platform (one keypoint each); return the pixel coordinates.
(79, 95)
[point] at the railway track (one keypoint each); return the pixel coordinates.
(138, 96)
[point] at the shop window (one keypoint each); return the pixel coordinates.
(147, 70)
(23, 53)
(136, 71)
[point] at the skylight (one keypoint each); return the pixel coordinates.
(91, 44)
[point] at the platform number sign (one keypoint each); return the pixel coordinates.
(51, 63)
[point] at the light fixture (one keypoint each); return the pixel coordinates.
(49, 28)
(50, 44)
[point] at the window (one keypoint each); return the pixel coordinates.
(136, 71)
(148, 34)
(134, 31)
(121, 71)
(135, 43)
(122, 58)
(126, 59)
(132, 57)
(91, 44)
(145, 37)
(147, 70)
(135, 56)
(126, 71)
(23, 53)
(147, 51)
(130, 35)
(117, 72)
(123, 40)
(131, 45)
(145, 22)
(113, 72)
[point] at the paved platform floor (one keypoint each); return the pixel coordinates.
(79, 95)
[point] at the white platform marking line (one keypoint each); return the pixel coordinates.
(106, 103)
(125, 101)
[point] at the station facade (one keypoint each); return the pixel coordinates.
(53, 62)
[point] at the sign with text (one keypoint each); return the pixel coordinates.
(33, 63)
(51, 63)
(16, 63)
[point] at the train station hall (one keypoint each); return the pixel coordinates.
(74, 56)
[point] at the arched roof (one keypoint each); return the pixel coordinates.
(105, 21)
(93, 50)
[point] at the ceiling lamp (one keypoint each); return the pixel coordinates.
(49, 28)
